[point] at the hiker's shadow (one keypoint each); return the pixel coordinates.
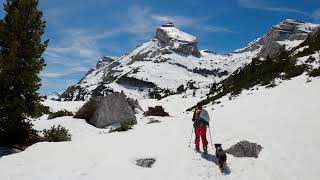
(214, 159)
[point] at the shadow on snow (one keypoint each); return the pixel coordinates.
(213, 158)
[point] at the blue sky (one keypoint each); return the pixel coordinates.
(82, 31)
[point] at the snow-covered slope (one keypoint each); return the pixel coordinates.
(282, 119)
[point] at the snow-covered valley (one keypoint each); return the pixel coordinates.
(122, 90)
(282, 119)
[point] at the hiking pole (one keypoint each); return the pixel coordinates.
(210, 138)
(191, 136)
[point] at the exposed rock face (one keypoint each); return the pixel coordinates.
(74, 92)
(245, 149)
(178, 41)
(271, 49)
(108, 110)
(288, 29)
(124, 80)
(148, 162)
(106, 60)
(156, 111)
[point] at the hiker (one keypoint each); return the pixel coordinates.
(200, 125)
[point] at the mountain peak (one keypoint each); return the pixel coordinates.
(181, 42)
(294, 26)
(292, 21)
(286, 30)
(169, 32)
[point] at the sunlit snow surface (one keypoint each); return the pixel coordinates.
(283, 119)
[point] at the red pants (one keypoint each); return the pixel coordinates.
(201, 132)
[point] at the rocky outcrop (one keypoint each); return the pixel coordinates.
(271, 49)
(245, 149)
(104, 111)
(131, 81)
(288, 29)
(156, 111)
(106, 60)
(74, 93)
(178, 41)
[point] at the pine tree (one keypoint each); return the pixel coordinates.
(21, 61)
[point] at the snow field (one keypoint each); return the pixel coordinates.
(282, 119)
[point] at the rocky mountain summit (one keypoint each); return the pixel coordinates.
(177, 41)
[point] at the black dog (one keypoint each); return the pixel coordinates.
(221, 156)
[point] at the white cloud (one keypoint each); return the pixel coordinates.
(177, 20)
(268, 6)
(316, 14)
(50, 85)
(139, 20)
(142, 21)
(215, 29)
(63, 71)
(75, 52)
(75, 47)
(71, 82)
(45, 74)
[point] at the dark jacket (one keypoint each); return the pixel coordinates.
(198, 122)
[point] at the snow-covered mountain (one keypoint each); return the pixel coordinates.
(171, 59)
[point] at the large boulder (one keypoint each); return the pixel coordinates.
(245, 149)
(107, 110)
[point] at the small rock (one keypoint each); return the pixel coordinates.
(151, 121)
(148, 162)
(245, 149)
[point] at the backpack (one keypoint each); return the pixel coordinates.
(204, 116)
